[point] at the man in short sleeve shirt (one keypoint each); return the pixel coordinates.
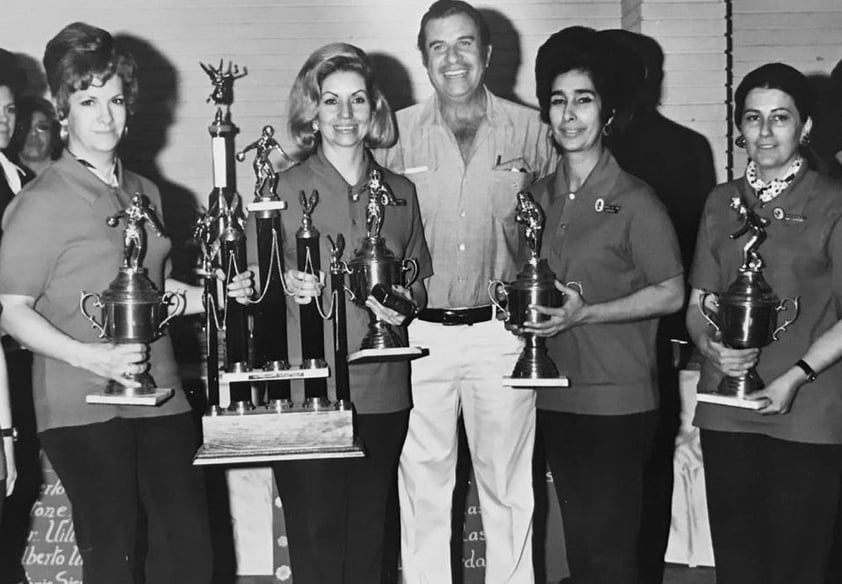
(468, 152)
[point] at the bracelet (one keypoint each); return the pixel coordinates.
(808, 371)
(9, 433)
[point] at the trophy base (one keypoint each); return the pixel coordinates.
(153, 397)
(266, 436)
(734, 401)
(391, 354)
(527, 383)
(275, 374)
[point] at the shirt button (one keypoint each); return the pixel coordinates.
(463, 214)
(461, 247)
(563, 226)
(353, 221)
(571, 196)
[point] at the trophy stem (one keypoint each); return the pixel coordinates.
(742, 386)
(381, 335)
(534, 361)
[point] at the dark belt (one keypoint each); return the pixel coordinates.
(456, 316)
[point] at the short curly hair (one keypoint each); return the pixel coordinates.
(12, 74)
(305, 96)
(81, 55)
(577, 48)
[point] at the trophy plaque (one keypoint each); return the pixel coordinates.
(533, 286)
(132, 308)
(373, 265)
(747, 313)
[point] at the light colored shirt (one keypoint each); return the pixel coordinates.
(468, 209)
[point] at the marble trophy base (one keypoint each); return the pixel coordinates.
(318, 371)
(729, 400)
(116, 394)
(379, 355)
(266, 435)
(535, 369)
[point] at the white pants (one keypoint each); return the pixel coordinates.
(463, 373)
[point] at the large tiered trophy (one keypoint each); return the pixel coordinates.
(534, 286)
(373, 270)
(747, 313)
(132, 309)
(272, 426)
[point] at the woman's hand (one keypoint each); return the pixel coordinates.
(11, 469)
(242, 287)
(116, 362)
(779, 394)
(386, 314)
(731, 362)
(570, 314)
(303, 286)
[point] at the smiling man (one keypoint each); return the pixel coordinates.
(468, 152)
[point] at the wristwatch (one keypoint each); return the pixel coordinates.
(808, 371)
(9, 433)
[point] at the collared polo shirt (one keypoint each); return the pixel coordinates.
(802, 255)
(375, 387)
(468, 209)
(56, 244)
(614, 237)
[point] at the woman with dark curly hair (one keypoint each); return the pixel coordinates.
(607, 232)
(36, 141)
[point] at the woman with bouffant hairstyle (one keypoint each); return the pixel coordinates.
(306, 92)
(113, 460)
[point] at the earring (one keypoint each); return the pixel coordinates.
(806, 139)
(125, 130)
(315, 126)
(62, 132)
(606, 129)
(740, 141)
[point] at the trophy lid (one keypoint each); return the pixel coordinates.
(750, 287)
(131, 286)
(535, 271)
(373, 250)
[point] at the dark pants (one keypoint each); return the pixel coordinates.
(14, 527)
(772, 505)
(597, 466)
(108, 469)
(335, 510)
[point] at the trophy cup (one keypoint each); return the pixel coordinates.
(747, 315)
(373, 265)
(534, 285)
(132, 308)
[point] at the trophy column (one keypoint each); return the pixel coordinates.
(341, 375)
(312, 331)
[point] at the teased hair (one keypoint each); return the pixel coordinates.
(577, 48)
(81, 55)
(306, 93)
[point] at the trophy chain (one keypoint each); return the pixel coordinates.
(747, 312)
(262, 422)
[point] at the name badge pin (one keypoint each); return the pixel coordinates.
(601, 207)
(781, 215)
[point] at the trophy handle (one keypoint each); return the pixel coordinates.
(410, 265)
(796, 306)
(83, 300)
(497, 288)
(704, 312)
(180, 305)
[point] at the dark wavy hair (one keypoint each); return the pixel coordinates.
(81, 55)
(577, 48)
(445, 8)
(12, 74)
(306, 91)
(27, 106)
(781, 77)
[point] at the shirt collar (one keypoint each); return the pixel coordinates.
(12, 172)
(494, 114)
(599, 183)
